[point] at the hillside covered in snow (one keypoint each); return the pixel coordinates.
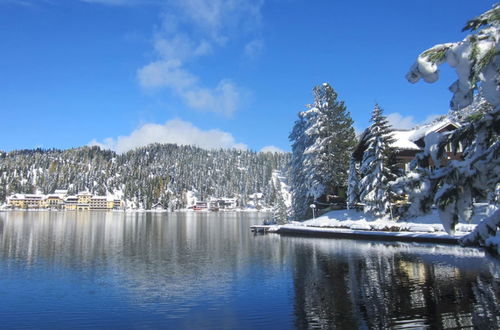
(159, 175)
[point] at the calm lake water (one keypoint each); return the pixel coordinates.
(201, 270)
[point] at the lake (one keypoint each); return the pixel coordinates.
(207, 270)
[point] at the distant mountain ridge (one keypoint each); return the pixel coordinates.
(158, 175)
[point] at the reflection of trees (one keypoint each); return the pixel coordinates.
(349, 284)
(318, 302)
(153, 255)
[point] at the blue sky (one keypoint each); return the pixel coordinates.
(124, 73)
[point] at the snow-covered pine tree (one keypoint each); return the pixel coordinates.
(475, 59)
(323, 139)
(353, 184)
(300, 197)
(332, 139)
(375, 171)
(280, 214)
(454, 186)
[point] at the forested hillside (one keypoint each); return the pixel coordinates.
(156, 175)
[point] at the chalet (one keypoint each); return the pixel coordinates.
(408, 143)
(117, 204)
(255, 200)
(201, 205)
(70, 203)
(17, 201)
(98, 203)
(54, 201)
(34, 201)
(213, 205)
(227, 203)
(60, 200)
(84, 197)
(113, 203)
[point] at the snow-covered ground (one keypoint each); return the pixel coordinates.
(280, 180)
(358, 220)
(359, 224)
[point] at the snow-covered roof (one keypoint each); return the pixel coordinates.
(34, 196)
(17, 196)
(421, 131)
(403, 140)
(54, 196)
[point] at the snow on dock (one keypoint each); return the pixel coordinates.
(373, 235)
(377, 235)
(352, 224)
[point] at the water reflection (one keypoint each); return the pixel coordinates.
(187, 270)
(349, 284)
(141, 269)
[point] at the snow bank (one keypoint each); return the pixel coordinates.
(486, 233)
(358, 220)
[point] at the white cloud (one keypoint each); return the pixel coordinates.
(180, 47)
(221, 19)
(173, 131)
(191, 29)
(272, 148)
(166, 74)
(254, 48)
(398, 121)
(224, 99)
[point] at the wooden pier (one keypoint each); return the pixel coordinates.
(263, 229)
(373, 235)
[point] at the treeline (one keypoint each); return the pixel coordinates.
(156, 175)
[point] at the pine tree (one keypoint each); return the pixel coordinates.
(353, 184)
(453, 186)
(475, 59)
(332, 139)
(300, 196)
(375, 171)
(280, 214)
(322, 140)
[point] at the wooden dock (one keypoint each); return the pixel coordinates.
(368, 235)
(260, 229)
(419, 237)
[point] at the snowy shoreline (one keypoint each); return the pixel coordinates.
(377, 235)
(353, 224)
